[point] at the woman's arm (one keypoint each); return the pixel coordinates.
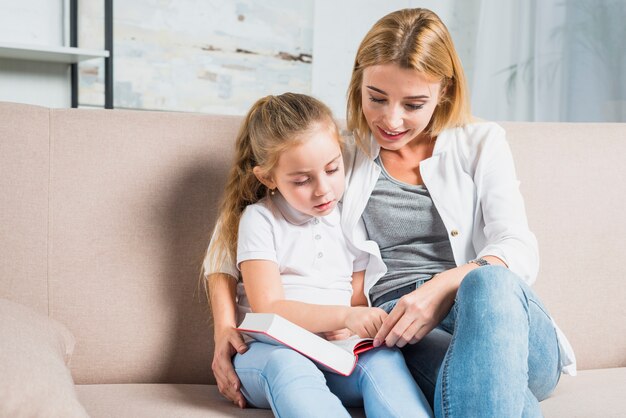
(419, 312)
(265, 293)
(221, 293)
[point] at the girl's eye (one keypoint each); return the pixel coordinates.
(414, 106)
(375, 100)
(301, 183)
(333, 171)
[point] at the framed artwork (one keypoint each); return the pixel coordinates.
(211, 56)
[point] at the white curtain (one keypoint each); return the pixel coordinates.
(549, 60)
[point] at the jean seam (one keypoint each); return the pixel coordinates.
(445, 407)
(375, 385)
(271, 395)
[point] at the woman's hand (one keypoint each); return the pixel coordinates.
(365, 321)
(419, 312)
(227, 343)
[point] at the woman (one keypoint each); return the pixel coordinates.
(452, 257)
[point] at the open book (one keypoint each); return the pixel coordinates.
(338, 356)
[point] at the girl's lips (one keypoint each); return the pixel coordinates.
(391, 137)
(324, 206)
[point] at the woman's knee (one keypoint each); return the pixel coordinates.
(491, 290)
(490, 282)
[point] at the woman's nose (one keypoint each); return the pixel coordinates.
(393, 117)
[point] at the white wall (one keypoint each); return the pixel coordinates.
(34, 22)
(341, 25)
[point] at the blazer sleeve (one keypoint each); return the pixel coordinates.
(501, 211)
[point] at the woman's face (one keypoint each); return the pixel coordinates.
(398, 103)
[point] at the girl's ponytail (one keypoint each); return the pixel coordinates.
(242, 189)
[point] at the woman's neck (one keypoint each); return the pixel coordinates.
(403, 164)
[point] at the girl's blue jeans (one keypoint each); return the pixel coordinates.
(495, 354)
(291, 385)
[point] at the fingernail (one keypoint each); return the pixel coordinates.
(376, 342)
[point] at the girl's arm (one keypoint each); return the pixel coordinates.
(358, 299)
(358, 291)
(265, 293)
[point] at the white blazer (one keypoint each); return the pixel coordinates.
(471, 179)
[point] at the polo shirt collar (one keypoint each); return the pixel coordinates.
(296, 217)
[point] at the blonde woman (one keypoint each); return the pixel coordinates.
(452, 257)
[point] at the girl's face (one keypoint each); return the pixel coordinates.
(310, 176)
(398, 104)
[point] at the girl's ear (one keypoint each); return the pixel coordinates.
(262, 177)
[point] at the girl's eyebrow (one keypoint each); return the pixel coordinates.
(423, 96)
(304, 172)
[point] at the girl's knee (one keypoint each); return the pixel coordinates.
(383, 358)
(285, 361)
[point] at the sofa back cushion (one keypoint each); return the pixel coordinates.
(106, 217)
(24, 184)
(574, 184)
(134, 197)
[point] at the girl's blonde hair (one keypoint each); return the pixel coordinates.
(412, 39)
(272, 125)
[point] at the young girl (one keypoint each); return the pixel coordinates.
(281, 222)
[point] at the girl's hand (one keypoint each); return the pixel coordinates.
(365, 321)
(227, 343)
(340, 334)
(419, 312)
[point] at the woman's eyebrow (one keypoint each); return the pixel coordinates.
(422, 96)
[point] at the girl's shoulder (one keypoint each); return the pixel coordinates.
(261, 209)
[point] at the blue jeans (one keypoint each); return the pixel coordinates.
(291, 385)
(495, 354)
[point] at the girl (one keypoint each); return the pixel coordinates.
(280, 210)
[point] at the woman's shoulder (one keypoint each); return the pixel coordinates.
(478, 130)
(472, 137)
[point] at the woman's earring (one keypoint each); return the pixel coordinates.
(272, 192)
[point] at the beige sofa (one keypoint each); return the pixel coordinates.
(104, 220)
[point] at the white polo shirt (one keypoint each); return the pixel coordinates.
(314, 258)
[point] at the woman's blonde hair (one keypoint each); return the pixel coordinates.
(412, 39)
(272, 125)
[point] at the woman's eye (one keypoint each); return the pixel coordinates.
(301, 183)
(414, 106)
(334, 170)
(375, 100)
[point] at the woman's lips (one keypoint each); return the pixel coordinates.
(391, 135)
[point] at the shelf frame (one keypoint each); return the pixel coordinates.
(72, 55)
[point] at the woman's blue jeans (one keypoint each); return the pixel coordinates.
(495, 354)
(291, 385)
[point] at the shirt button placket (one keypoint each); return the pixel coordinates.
(317, 240)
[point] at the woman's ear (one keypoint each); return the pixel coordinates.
(263, 178)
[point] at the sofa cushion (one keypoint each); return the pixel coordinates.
(34, 353)
(597, 393)
(164, 401)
